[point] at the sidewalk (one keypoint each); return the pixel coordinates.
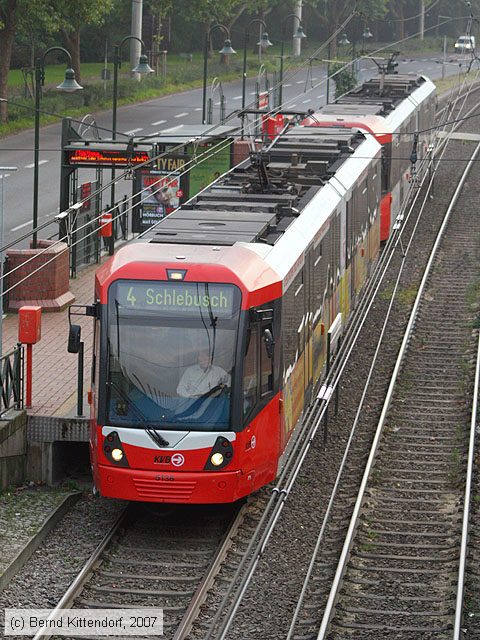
(54, 369)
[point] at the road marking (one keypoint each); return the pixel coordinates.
(179, 126)
(293, 105)
(237, 98)
(154, 124)
(21, 226)
(198, 108)
(300, 81)
(30, 166)
(322, 95)
(4, 175)
(287, 84)
(181, 115)
(305, 101)
(132, 131)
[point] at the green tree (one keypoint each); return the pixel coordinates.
(72, 16)
(333, 13)
(8, 26)
(209, 12)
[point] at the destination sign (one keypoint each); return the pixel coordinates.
(105, 157)
(180, 298)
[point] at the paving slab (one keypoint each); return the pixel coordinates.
(54, 369)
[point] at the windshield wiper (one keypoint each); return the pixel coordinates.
(156, 437)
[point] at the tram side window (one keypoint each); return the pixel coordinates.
(250, 386)
(266, 362)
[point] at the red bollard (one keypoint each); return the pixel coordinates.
(105, 229)
(29, 333)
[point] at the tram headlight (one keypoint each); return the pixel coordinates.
(216, 459)
(113, 450)
(220, 455)
(117, 454)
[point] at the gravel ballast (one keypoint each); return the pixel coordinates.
(268, 605)
(45, 577)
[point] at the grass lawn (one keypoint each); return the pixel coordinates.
(182, 74)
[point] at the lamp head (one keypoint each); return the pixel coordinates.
(367, 33)
(264, 41)
(300, 34)
(143, 67)
(69, 84)
(227, 48)
(344, 40)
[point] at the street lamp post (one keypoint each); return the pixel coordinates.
(366, 35)
(298, 34)
(264, 43)
(143, 68)
(69, 84)
(226, 50)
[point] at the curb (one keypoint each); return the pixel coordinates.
(35, 541)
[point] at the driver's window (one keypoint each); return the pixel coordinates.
(250, 372)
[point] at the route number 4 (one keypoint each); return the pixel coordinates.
(130, 297)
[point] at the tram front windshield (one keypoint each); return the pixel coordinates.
(171, 354)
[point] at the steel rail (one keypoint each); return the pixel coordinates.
(441, 147)
(82, 577)
(336, 584)
(304, 440)
(457, 631)
(198, 599)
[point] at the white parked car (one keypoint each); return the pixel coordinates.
(465, 43)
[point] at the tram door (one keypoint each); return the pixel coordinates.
(308, 321)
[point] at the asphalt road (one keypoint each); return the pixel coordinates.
(162, 115)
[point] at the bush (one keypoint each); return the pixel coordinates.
(344, 79)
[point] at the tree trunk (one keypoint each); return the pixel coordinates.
(72, 41)
(7, 33)
(400, 23)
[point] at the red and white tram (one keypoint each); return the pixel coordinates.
(251, 272)
(392, 108)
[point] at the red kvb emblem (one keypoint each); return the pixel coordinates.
(177, 459)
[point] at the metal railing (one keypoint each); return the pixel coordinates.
(86, 246)
(12, 379)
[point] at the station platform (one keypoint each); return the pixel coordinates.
(54, 392)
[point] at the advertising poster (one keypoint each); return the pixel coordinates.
(159, 193)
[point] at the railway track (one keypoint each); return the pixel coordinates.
(399, 569)
(157, 557)
(218, 618)
(125, 577)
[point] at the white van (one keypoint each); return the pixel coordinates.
(465, 43)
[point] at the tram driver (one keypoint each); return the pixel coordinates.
(202, 377)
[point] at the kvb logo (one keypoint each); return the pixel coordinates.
(177, 459)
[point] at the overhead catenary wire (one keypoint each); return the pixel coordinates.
(94, 231)
(279, 495)
(357, 416)
(120, 176)
(161, 180)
